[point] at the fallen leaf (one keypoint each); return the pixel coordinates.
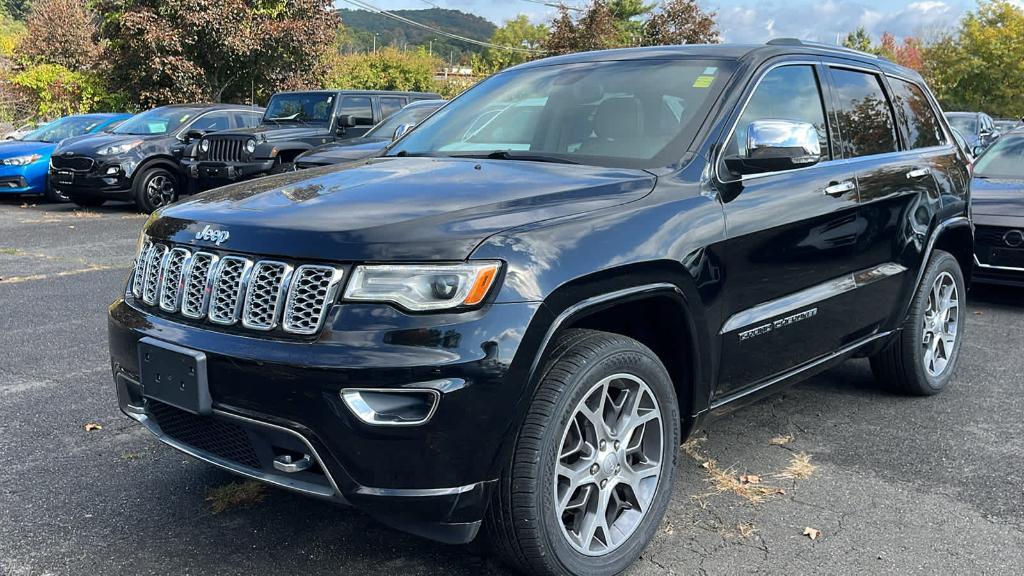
(812, 533)
(92, 426)
(781, 440)
(978, 313)
(750, 479)
(706, 465)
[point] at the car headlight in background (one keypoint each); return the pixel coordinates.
(21, 160)
(423, 287)
(250, 146)
(204, 145)
(115, 149)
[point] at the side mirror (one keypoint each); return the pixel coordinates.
(402, 130)
(194, 135)
(774, 145)
(346, 121)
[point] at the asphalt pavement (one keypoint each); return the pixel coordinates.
(898, 486)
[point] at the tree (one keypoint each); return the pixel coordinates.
(681, 22)
(626, 14)
(216, 49)
(859, 39)
(61, 32)
(59, 91)
(595, 30)
(17, 9)
(517, 33)
(385, 69)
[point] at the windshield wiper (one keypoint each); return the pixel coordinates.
(509, 155)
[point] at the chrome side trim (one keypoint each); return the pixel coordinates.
(417, 492)
(994, 267)
(810, 296)
(367, 415)
(717, 404)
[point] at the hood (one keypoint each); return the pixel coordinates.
(90, 143)
(412, 209)
(12, 148)
(995, 197)
(275, 133)
(347, 150)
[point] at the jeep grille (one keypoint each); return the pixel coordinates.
(226, 150)
(231, 289)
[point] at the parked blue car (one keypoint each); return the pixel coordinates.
(24, 163)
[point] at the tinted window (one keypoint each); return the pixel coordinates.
(389, 106)
(966, 124)
(157, 121)
(786, 93)
(300, 108)
(246, 119)
(359, 107)
(865, 118)
(212, 122)
(1005, 159)
(917, 113)
(408, 115)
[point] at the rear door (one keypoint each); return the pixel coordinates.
(896, 164)
(792, 239)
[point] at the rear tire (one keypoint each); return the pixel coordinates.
(922, 358)
(155, 188)
(567, 465)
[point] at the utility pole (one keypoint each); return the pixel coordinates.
(431, 44)
(374, 42)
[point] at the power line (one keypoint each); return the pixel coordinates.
(367, 6)
(429, 3)
(553, 5)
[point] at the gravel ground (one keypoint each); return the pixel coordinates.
(901, 485)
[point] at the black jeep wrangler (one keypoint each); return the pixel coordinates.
(515, 316)
(293, 123)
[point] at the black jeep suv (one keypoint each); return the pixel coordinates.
(293, 123)
(514, 322)
(139, 161)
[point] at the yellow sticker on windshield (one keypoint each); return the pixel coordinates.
(703, 81)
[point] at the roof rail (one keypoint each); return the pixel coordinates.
(821, 45)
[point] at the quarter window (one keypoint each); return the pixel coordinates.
(359, 107)
(786, 93)
(923, 129)
(864, 115)
(247, 119)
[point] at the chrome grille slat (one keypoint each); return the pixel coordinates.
(197, 284)
(171, 283)
(264, 295)
(151, 280)
(225, 150)
(312, 289)
(227, 290)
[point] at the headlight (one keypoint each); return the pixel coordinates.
(250, 146)
(21, 160)
(421, 288)
(118, 148)
(204, 145)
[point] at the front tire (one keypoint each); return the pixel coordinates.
(922, 358)
(592, 470)
(155, 188)
(53, 194)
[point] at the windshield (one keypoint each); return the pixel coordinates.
(633, 114)
(300, 108)
(1005, 159)
(407, 115)
(965, 124)
(156, 121)
(64, 128)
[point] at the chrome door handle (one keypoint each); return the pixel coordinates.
(919, 173)
(840, 189)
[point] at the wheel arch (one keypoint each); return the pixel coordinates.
(288, 151)
(168, 162)
(958, 240)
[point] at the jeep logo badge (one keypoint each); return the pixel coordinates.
(218, 237)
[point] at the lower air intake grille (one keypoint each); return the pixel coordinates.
(217, 437)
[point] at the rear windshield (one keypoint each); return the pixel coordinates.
(630, 114)
(1005, 159)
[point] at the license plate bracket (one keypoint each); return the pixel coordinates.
(174, 375)
(65, 177)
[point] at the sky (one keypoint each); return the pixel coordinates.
(753, 21)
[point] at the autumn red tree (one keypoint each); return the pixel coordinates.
(61, 32)
(681, 22)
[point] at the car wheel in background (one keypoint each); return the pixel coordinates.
(592, 469)
(922, 358)
(155, 188)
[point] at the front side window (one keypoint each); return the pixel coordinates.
(630, 114)
(212, 122)
(157, 121)
(246, 119)
(923, 128)
(864, 115)
(358, 107)
(785, 93)
(1004, 160)
(408, 115)
(300, 108)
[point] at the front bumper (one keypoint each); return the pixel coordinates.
(219, 173)
(107, 179)
(30, 179)
(432, 480)
(999, 250)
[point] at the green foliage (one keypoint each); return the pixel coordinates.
(859, 39)
(11, 33)
(387, 69)
(618, 23)
(60, 91)
(518, 33)
(17, 9)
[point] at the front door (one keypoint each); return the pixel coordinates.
(792, 247)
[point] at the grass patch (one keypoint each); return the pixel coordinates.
(8, 251)
(727, 480)
(235, 495)
(800, 467)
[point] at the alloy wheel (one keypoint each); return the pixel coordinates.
(609, 464)
(160, 190)
(941, 324)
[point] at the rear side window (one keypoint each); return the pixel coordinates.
(389, 106)
(923, 129)
(359, 107)
(786, 93)
(864, 115)
(247, 119)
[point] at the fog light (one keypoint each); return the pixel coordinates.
(392, 406)
(113, 170)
